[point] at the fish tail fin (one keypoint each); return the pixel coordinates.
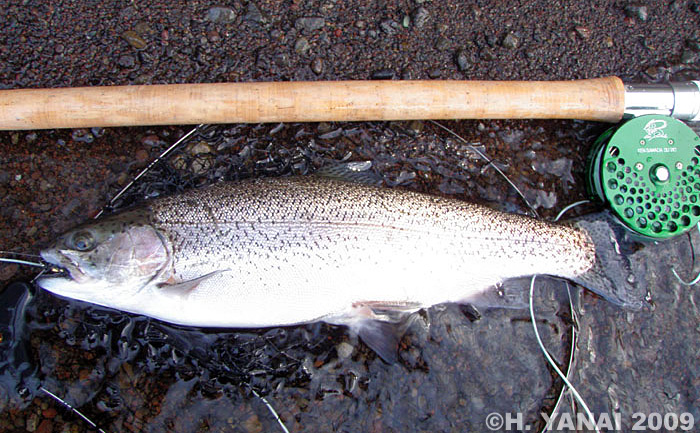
(612, 275)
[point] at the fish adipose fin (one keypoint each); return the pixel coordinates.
(378, 325)
(612, 275)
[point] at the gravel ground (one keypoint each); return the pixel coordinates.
(130, 373)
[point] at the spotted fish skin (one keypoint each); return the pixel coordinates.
(282, 251)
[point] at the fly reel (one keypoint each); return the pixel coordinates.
(648, 171)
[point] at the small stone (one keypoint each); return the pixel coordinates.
(420, 17)
(406, 21)
(253, 13)
(143, 28)
(8, 270)
(199, 148)
(213, 36)
(360, 24)
(442, 44)
(583, 32)
(49, 413)
(134, 39)
(221, 15)
(383, 74)
(344, 350)
(486, 54)
(141, 155)
(609, 42)
(31, 137)
(32, 422)
(689, 57)
(126, 61)
(309, 24)
(637, 11)
(253, 424)
(46, 426)
(389, 27)
(434, 73)
(282, 60)
(302, 46)
(510, 41)
(317, 66)
(462, 59)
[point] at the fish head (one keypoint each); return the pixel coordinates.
(106, 259)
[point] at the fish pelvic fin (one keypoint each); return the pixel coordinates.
(379, 325)
(612, 275)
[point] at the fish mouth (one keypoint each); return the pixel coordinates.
(63, 266)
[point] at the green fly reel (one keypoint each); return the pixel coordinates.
(648, 171)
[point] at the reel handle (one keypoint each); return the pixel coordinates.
(601, 99)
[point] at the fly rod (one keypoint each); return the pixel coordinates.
(601, 99)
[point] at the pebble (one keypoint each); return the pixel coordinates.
(510, 41)
(126, 61)
(689, 57)
(309, 24)
(486, 54)
(221, 15)
(637, 11)
(32, 422)
(442, 44)
(46, 426)
(344, 350)
(420, 17)
(389, 27)
(383, 74)
(317, 66)
(8, 270)
(462, 59)
(302, 46)
(134, 39)
(253, 13)
(583, 32)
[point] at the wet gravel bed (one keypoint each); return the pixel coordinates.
(457, 365)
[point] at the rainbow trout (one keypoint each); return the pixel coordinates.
(284, 251)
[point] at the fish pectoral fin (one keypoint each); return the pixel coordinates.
(184, 288)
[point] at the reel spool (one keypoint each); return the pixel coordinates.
(648, 171)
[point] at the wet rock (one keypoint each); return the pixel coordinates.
(317, 66)
(126, 61)
(383, 74)
(302, 46)
(389, 27)
(134, 39)
(253, 14)
(434, 73)
(344, 350)
(420, 17)
(309, 24)
(486, 54)
(539, 198)
(8, 270)
(32, 422)
(442, 44)
(221, 15)
(462, 60)
(282, 60)
(510, 41)
(689, 57)
(638, 11)
(560, 168)
(583, 32)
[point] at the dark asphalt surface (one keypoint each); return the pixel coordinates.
(456, 365)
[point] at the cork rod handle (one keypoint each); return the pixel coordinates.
(599, 99)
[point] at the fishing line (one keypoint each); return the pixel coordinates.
(160, 157)
(553, 364)
(673, 269)
(72, 409)
(490, 163)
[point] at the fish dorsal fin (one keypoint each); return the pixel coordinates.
(355, 172)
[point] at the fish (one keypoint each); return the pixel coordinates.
(269, 252)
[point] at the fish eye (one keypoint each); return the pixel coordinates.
(83, 241)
